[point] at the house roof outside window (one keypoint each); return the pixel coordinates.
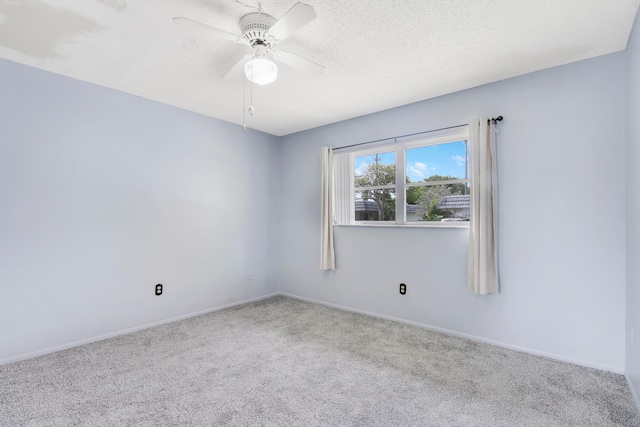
(455, 202)
(370, 206)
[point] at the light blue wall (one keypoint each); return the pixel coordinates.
(104, 194)
(633, 210)
(562, 219)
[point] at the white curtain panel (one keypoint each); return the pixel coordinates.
(327, 254)
(483, 232)
(343, 192)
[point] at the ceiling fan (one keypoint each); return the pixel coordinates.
(260, 33)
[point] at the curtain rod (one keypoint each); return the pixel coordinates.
(491, 120)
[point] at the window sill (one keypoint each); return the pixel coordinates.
(410, 225)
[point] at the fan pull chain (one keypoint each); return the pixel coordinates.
(244, 105)
(251, 109)
(244, 100)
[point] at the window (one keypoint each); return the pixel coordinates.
(419, 182)
(375, 187)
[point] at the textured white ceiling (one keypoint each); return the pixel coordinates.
(378, 54)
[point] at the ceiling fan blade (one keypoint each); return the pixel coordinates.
(238, 69)
(194, 25)
(299, 63)
(298, 16)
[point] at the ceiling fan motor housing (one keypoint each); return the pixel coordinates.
(255, 29)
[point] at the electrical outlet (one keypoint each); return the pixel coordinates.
(403, 289)
(248, 276)
(159, 289)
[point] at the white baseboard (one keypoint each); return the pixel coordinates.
(633, 392)
(66, 346)
(463, 335)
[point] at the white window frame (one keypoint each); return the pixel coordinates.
(400, 186)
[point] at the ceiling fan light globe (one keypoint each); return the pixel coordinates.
(261, 71)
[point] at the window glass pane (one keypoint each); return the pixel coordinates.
(444, 203)
(376, 169)
(375, 205)
(438, 162)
